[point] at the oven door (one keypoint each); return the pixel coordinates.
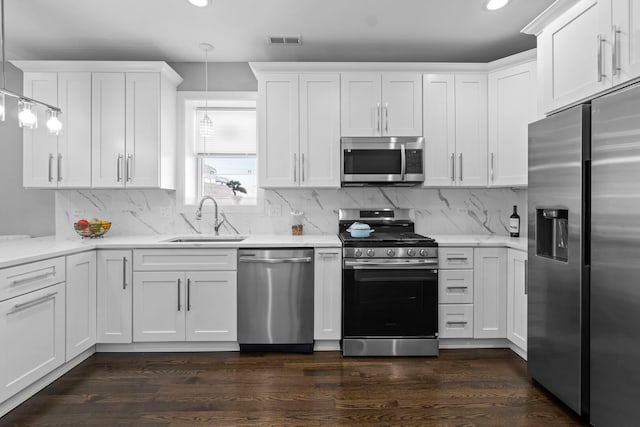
(389, 301)
(381, 160)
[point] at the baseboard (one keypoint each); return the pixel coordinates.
(452, 343)
(326, 345)
(26, 393)
(164, 347)
(517, 350)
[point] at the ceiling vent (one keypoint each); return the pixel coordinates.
(282, 40)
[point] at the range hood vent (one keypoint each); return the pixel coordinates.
(282, 40)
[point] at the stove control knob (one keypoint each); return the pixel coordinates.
(370, 252)
(358, 253)
(391, 252)
(423, 252)
(411, 252)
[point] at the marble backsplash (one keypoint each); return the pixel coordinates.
(436, 211)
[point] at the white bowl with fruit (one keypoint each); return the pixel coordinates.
(91, 228)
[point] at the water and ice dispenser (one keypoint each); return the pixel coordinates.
(552, 233)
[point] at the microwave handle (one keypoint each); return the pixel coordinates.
(403, 161)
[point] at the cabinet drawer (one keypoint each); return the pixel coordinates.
(184, 259)
(456, 321)
(25, 278)
(455, 286)
(455, 258)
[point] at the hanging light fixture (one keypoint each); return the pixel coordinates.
(206, 125)
(27, 118)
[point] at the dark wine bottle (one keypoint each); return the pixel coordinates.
(514, 223)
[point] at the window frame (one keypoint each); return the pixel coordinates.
(188, 161)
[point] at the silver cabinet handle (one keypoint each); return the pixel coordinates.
(600, 40)
(188, 294)
(460, 156)
(386, 117)
(526, 281)
(492, 158)
(403, 162)
(457, 259)
(457, 287)
(22, 306)
(378, 114)
(124, 272)
(302, 165)
(59, 167)
(50, 167)
(453, 167)
(457, 323)
(32, 278)
(119, 168)
(179, 301)
(129, 168)
(295, 172)
(274, 260)
(616, 50)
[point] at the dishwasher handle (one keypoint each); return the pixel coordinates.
(275, 260)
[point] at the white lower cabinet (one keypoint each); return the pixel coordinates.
(456, 321)
(179, 306)
(517, 298)
(81, 303)
(455, 292)
(32, 333)
(114, 296)
(490, 293)
(327, 297)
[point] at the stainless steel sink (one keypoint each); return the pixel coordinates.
(206, 239)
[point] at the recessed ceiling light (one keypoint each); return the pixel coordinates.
(495, 4)
(199, 3)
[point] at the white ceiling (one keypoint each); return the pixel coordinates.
(332, 30)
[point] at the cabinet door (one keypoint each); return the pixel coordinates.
(107, 129)
(114, 297)
(626, 57)
(74, 140)
(211, 306)
(490, 293)
(471, 129)
(439, 109)
(327, 294)
(512, 106)
(81, 303)
(142, 154)
(455, 286)
(360, 104)
(32, 337)
(278, 126)
(158, 306)
(320, 130)
(401, 104)
(574, 51)
(455, 321)
(517, 298)
(40, 148)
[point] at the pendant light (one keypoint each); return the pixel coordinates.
(27, 118)
(206, 125)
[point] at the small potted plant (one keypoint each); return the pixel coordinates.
(236, 187)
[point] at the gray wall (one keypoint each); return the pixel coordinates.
(21, 211)
(223, 76)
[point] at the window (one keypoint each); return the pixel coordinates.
(223, 160)
(227, 156)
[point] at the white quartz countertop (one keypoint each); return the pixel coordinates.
(15, 252)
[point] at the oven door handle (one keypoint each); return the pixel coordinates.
(355, 265)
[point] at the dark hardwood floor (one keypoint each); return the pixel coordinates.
(460, 388)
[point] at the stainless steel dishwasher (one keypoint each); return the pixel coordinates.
(275, 300)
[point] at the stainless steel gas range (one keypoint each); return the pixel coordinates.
(389, 286)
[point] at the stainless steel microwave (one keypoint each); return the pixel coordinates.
(382, 161)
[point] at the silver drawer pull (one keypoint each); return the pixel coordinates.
(24, 305)
(275, 260)
(457, 287)
(457, 259)
(461, 322)
(36, 277)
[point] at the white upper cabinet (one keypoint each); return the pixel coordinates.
(40, 148)
(298, 130)
(455, 130)
(626, 44)
(381, 104)
(512, 106)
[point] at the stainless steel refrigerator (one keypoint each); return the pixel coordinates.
(584, 257)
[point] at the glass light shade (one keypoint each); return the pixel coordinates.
(199, 3)
(495, 4)
(27, 118)
(53, 122)
(2, 104)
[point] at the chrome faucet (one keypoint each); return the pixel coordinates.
(217, 223)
